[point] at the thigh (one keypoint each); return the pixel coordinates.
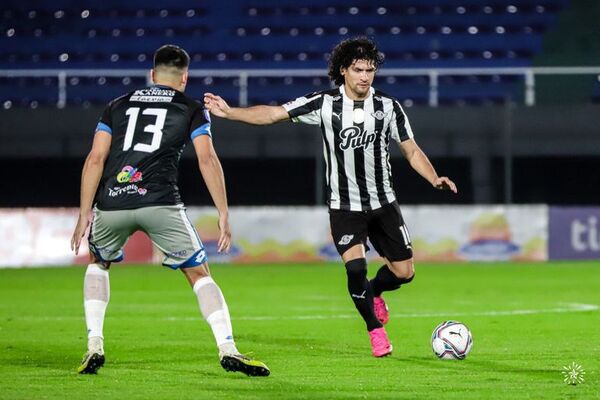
(109, 232)
(171, 231)
(389, 235)
(348, 228)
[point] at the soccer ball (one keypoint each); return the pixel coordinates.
(451, 340)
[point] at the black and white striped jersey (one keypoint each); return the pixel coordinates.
(356, 138)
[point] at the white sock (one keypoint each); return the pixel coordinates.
(215, 312)
(96, 293)
(96, 344)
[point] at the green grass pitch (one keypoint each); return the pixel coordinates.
(528, 321)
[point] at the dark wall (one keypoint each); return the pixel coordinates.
(48, 182)
(551, 180)
(442, 132)
(560, 180)
(555, 153)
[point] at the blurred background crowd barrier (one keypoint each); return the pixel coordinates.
(40, 236)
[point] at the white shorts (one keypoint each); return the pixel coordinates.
(168, 227)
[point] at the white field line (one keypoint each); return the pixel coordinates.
(567, 308)
(564, 308)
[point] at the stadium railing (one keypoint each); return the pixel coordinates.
(528, 74)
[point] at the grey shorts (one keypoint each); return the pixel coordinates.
(168, 227)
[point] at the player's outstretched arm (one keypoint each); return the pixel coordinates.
(420, 163)
(212, 173)
(90, 178)
(256, 115)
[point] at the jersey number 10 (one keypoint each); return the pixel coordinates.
(155, 129)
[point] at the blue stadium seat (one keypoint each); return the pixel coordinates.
(256, 34)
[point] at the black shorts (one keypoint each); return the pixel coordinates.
(384, 228)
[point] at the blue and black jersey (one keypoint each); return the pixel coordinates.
(150, 127)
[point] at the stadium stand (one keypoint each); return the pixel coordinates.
(273, 34)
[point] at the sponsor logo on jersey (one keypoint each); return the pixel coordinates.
(153, 95)
(200, 257)
(126, 190)
(379, 115)
(353, 137)
(178, 254)
(129, 175)
(345, 240)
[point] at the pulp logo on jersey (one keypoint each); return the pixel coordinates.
(129, 174)
(345, 240)
(129, 189)
(153, 95)
(352, 137)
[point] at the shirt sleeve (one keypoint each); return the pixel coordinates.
(399, 125)
(306, 109)
(105, 123)
(200, 124)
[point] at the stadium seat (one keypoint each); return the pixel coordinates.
(253, 34)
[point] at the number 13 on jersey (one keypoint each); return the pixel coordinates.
(155, 128)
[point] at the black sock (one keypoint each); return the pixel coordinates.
(361, 292)
(385, 280)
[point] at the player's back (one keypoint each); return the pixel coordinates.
(150, 128)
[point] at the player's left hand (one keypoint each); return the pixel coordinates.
(224, 243)
(216, 105)
(444, 183)
(80, 228)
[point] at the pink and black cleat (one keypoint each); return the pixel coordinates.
(380, 344)
(381, 310)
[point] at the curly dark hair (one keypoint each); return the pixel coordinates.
(349, 50)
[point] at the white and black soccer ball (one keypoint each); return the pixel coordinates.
(451, 340)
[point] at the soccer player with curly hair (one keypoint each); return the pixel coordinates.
(357, 123)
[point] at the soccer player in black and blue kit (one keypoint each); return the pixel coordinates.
(129, 184)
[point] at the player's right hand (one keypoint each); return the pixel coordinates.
(80, 228)
(224, 243)
(216, 105)
(445, 183)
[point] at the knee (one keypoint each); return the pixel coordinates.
(357, 267)
(404, 270)
(193, 274)
(409, 279)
